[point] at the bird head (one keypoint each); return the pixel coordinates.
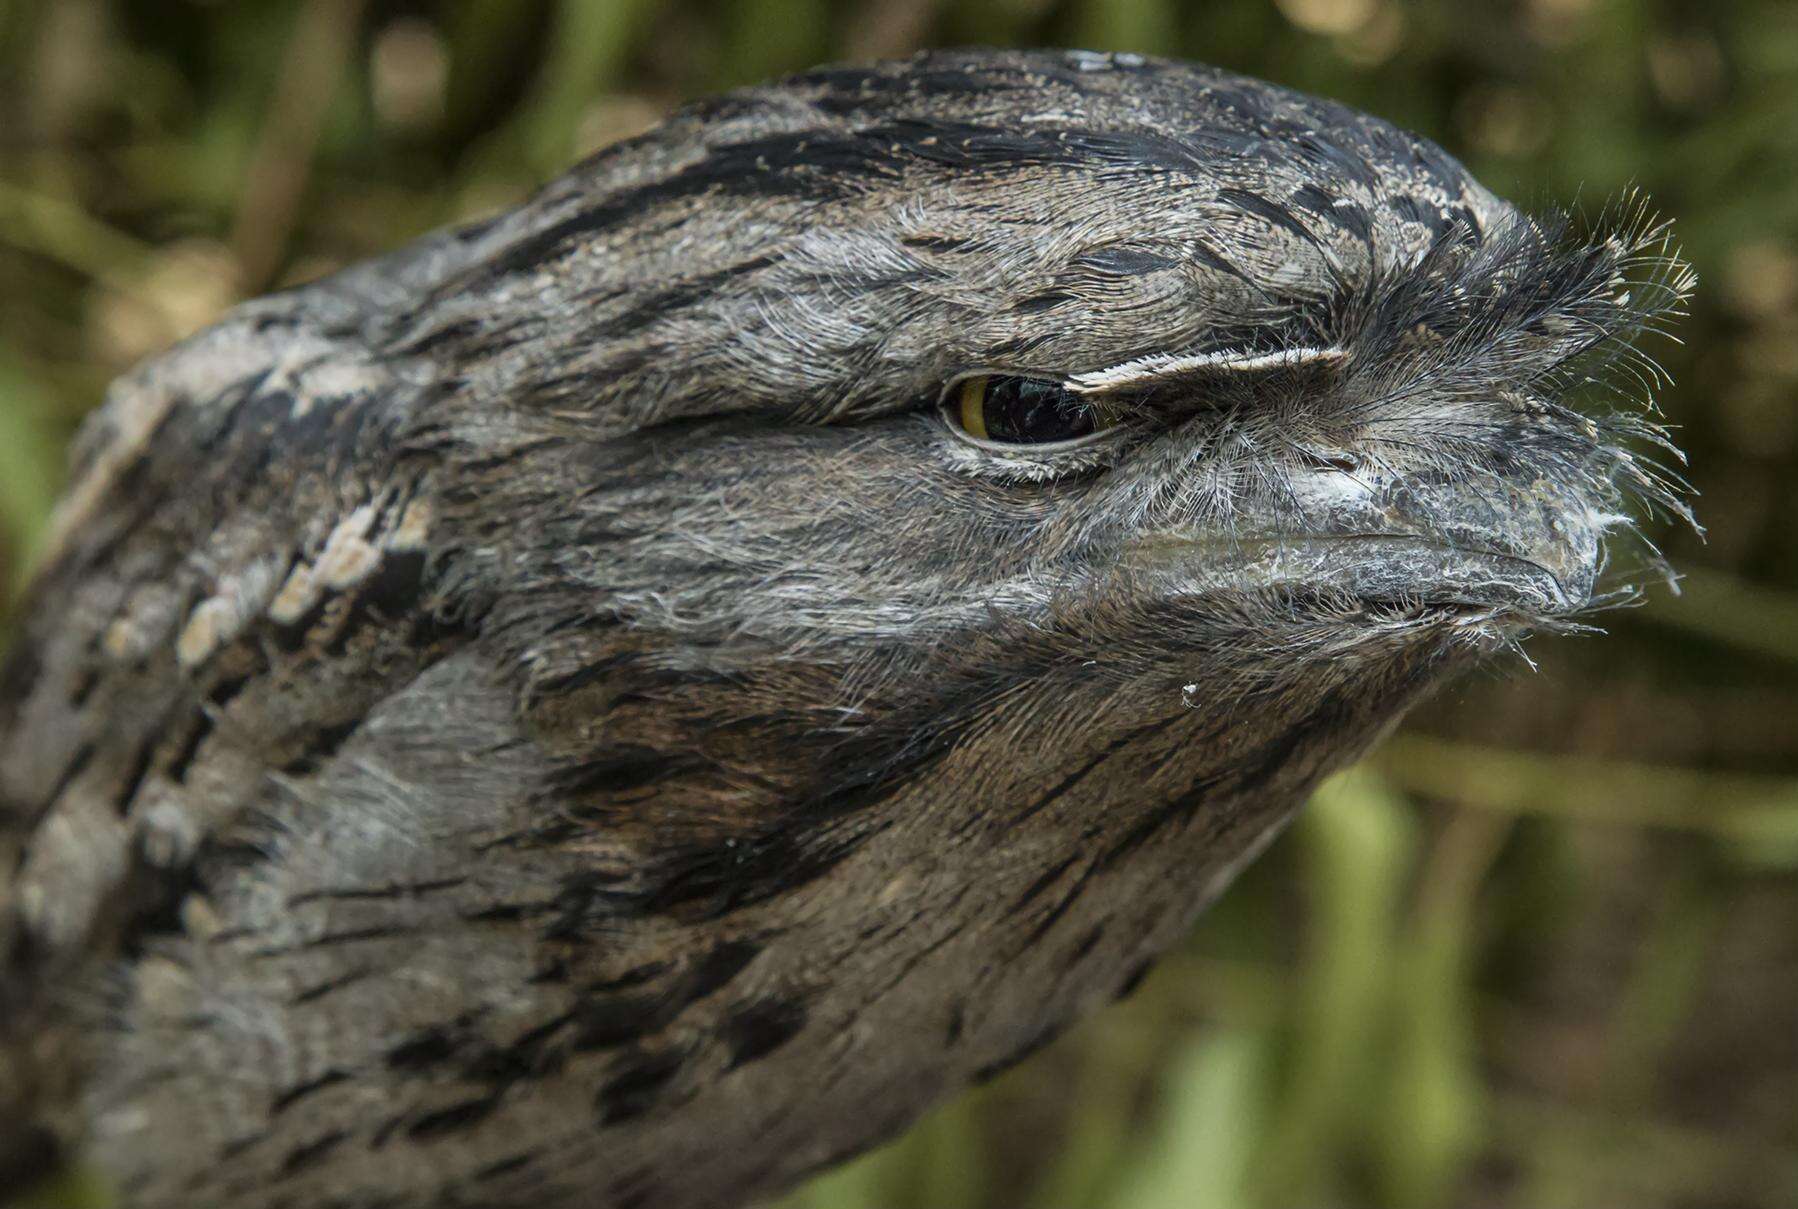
(864, 562)
(949, 423)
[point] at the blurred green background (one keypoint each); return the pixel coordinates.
(1542, 951)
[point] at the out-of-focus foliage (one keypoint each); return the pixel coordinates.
(1541, 952)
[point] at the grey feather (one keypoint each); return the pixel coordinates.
(557, 716)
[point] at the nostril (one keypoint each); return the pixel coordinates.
(1332, 459)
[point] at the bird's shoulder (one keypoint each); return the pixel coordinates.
(234, 576)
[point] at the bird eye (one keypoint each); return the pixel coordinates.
(1005, 410)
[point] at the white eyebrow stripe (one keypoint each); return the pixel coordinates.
(1168, 365)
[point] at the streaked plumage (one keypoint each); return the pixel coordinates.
(556, 715)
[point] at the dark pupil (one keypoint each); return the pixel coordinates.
(1028, 411)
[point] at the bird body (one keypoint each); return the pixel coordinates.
(629, 702)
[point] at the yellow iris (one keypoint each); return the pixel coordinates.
(973, 407)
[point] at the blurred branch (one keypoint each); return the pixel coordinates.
(1435, 1121)
(67, 234)
(76, 1188)
(588, 47)
(29, 471)
(1658, 999)
(1759, 813)
(884, 29)
(769, 37)
(1360, 846)
(1199, 1150)
(1607, 1159)
(317, 54)
(1122, 1052)
(1727, 608)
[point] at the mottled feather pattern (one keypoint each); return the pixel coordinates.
(555, 715)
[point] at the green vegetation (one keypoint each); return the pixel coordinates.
(1540, 952)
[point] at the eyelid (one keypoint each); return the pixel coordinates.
(1141, 372)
